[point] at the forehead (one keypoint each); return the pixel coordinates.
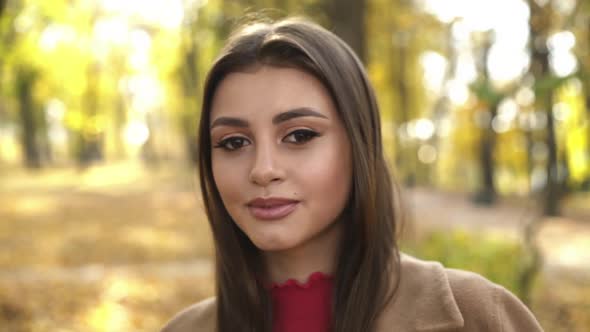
(269, 90)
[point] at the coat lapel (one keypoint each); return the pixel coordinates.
(424, 300)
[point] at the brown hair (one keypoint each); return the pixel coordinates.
(368, 258)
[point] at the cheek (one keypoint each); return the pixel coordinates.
(226, 174)
(329, 175)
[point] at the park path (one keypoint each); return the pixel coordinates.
(564, 241)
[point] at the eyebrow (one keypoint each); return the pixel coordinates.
(281, 117)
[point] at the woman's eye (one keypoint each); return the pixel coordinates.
(300, 136)
(232, 143)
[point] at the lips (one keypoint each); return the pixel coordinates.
(271, 208)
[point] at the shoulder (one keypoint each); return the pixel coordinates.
(199, 317)
(487, 304)
(443, 299)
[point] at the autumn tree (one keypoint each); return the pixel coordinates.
(490, 99)
(22, 74)
(2, 6)
(347, 20)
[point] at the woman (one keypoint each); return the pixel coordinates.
(299, 198)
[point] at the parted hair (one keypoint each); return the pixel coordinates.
(368, 256)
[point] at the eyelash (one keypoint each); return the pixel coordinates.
(224, 143)
(305, 135)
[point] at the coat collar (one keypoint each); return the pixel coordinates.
(424, 300)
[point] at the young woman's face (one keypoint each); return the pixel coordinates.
(281, 156)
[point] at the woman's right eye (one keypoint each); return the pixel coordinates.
(232, 143)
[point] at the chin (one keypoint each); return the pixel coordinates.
(273, 243)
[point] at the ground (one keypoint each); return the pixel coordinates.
(122, 248)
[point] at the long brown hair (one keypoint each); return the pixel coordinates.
(368, 258)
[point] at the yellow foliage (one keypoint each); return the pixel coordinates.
(572, 130)
(74, 120)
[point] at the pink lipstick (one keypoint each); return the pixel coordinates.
(271, 208)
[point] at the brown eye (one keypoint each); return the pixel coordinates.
(232, 143)
(300, 136)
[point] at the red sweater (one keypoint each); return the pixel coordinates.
(303, 307)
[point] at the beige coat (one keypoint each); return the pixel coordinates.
(430, 298)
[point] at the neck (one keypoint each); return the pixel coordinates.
(318, 254)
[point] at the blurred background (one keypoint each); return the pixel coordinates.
(486, 120)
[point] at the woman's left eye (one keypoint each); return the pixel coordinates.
(300, 136)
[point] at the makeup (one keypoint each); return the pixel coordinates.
(271, 208)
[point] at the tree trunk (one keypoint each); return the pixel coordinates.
(553, 191)
(90, 142)
(24, 85)
(120, 119)
(407, 160)
(2, 6)
(442, 106)
(538, 27)
(347, 19)
(487, 193)
(539, 31)
(584, 62)
(189, 75)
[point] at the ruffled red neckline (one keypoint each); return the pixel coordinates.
(312, 279)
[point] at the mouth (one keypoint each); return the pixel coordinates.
(271, 208)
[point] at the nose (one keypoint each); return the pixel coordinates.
(266, 167)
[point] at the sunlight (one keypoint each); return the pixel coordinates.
(110, 176)
(108, 317)
(571, 254)
(564, 64)
(565, 6)
(427, 154)
(157, 238)
(34, 205)
(54, 34)
(507, 113)
(561, 40)
(562, 60)
(434, 67)
(505, 64)
(111, 30)
(561, 111)
(580, 160)
(525, 96)
(113, 313)
(11, 149)
(24, 21)
(422, 129)
(508, 109)
(508, 58)
(146, 92)
(56, 132)
(466, 70)
(141, 43)
(136, 133)
(445, 127)
(500, 126)
(457, 91)
(164, 13)
(479, 15)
